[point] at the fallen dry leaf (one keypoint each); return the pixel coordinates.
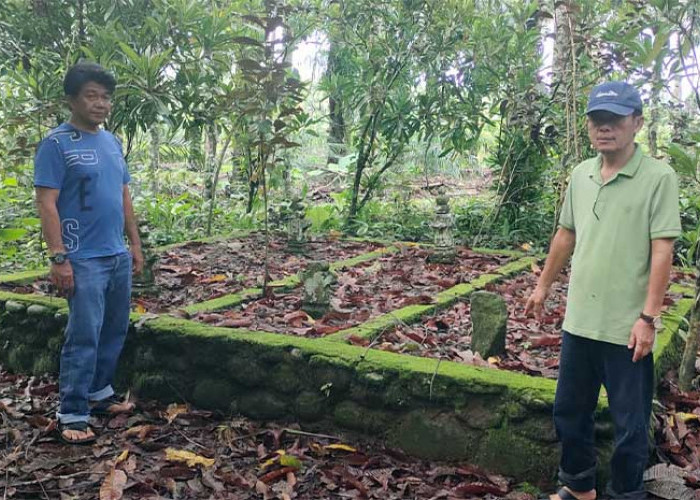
(113, 485)
(191, 459)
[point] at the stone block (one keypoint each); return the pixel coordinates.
(13, 306)
(480, 413)
(37, 310)
(434, 435)
(246, 371)
(310, 406)
(213, 394)
(262, 405)
(353, 416)
(489, 316)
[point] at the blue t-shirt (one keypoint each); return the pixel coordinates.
(90, 171)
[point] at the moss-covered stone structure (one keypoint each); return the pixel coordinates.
(493, 418)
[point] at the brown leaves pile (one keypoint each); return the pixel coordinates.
(180, 452)
(363, 292)
(532, 347)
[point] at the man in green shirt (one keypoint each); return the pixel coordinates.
(619, 219)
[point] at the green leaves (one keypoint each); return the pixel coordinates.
(11, 234)
(684, 161)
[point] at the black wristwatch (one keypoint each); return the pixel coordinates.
(58, 258)
(654, 321)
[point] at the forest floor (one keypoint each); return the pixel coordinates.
(179, 452)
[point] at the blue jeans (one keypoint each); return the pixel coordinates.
(97, 324)
(584, 365)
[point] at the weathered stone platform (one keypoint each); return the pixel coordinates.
(497, 419)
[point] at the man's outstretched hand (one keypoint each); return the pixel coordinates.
(535, 303)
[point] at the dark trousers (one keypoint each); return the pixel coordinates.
(584, 366)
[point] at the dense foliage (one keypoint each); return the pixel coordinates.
(362, 106)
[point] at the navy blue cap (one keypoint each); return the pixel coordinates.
(620, 98)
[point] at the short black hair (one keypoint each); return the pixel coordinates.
(84, 72)
(603, 117)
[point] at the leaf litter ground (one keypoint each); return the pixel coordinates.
(196, 271)
(180, 452)
(532, 347)
(362, 292)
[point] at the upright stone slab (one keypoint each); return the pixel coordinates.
(443, 227)
(297, 226)
(489, 321)
(317, 280)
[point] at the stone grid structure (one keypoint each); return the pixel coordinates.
(493, 418)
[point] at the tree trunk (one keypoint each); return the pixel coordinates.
(565, 78)
(154, 160)
(286, 164)
(336, 131)
(654, 106)
(354, 198)
(81, 21)
(252, 182)
(687, 368)
(212, 137)
(194, 154)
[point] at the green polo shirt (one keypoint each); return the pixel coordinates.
(614, 224)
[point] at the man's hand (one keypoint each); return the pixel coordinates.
(137, 259)
(535, 303)
(641, 339)
(62, 278)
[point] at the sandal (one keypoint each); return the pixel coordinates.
(563, 493)
(102, 408)
(75, 426)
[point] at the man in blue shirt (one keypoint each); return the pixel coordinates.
(82, 194)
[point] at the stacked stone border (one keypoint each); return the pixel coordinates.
(432, 409)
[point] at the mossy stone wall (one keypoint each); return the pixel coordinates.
(500, 420)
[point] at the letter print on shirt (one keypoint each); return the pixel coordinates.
(84, 157)
(69, 231)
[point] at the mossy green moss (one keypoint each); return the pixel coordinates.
(24, 277)
(374, 327)
(53, 303)
(365, 257)
(686, 291)
(460, 377)
(224, 302)
(517, 266)
(514, 455)
(448, 297)
(495, 251)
